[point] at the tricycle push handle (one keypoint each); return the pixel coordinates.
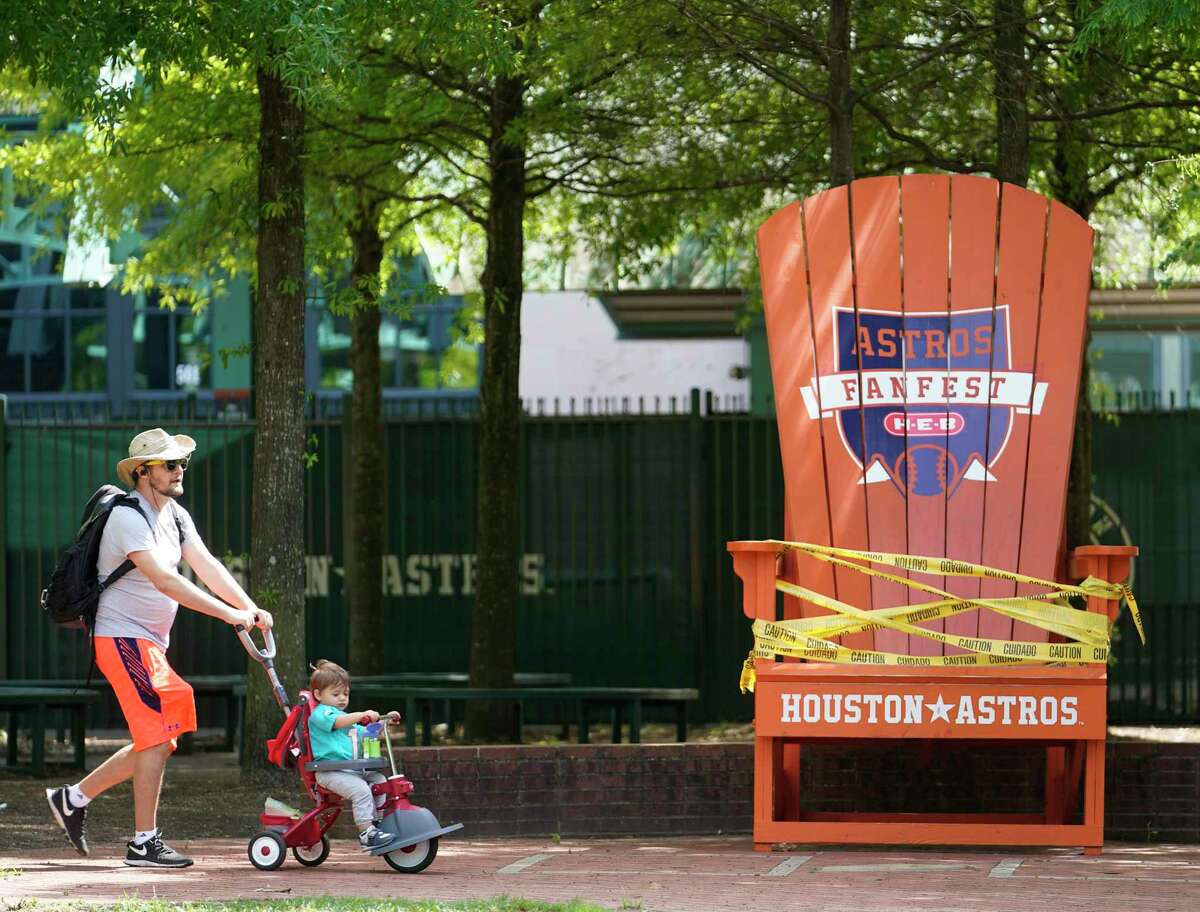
(260, 655)
(265, 657)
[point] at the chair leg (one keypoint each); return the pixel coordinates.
(231, 704)
(14, 730)
(1093, 795)
(410, 721)
(766, 755)
(582, 725)
(78, 735)
(39, 741)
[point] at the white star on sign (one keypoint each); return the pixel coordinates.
(939, 710)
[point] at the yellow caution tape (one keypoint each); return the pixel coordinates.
(808, 638)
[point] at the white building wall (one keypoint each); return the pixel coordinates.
(569, 347)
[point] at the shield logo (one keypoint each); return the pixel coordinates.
(926, 400)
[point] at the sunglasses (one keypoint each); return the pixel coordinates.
(171, 464)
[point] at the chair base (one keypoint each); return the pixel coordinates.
(926, 831)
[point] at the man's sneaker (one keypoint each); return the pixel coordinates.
(374, 838)
(72, 819)
(154, 853)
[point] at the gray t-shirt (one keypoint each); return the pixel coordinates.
(132, 606)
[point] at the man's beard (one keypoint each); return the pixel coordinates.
(166, 490)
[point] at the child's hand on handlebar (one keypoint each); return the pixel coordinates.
(368, 717)
(394, 717)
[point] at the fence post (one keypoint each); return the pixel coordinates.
(347, 519)
(699, 631)
(4, 537)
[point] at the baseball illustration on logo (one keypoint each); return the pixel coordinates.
(936, 392)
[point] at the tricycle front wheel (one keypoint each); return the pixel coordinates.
(413, 858)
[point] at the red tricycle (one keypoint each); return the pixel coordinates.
(416, 828)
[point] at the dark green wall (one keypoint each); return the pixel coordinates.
(626, 576)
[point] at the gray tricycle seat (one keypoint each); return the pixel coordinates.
(330, 766)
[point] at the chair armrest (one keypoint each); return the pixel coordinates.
(1106, 562)
(757, 565)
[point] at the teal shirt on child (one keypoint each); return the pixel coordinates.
(327, 742)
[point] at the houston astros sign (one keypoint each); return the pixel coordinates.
(909, 710)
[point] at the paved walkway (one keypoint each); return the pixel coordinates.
(663, 875)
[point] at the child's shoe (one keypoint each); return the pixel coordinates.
(374, 838)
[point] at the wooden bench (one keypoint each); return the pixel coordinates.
(219, 687)
(451, 681)
(461, 678)
(926, 334)
(579, 701)
(36, 703)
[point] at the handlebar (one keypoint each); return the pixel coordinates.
(265, 656)
(259, 655)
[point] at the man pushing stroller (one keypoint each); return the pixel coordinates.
(132, 632)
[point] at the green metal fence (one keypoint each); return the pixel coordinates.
(625, 578)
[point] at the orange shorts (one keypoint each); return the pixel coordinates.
(157, 703)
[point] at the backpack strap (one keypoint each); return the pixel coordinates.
(126, 565)
(178, 524)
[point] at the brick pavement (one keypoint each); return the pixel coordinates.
(719, 874)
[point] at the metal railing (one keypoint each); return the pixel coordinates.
(625, 579)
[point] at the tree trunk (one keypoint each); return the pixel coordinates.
(1070, 182)
(364, 540)
(841, 96)
(277, 540)
(494, 620)
(1011, 88)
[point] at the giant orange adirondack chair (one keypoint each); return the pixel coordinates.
(925, 334)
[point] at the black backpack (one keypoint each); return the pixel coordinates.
(73, 595)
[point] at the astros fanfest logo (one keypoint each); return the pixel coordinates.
(936, 390)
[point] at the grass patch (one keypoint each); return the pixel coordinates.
(335, 904)
(9, 872)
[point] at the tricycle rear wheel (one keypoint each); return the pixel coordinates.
(313, 855)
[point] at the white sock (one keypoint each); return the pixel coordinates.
(144, 836)
(77, 797)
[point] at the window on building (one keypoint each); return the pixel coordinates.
(1193, 340)
(1159, 368)
(172, 349)
(1123, 363)
(417, 352)
(52, 336)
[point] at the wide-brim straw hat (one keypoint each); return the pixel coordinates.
(153, 444)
